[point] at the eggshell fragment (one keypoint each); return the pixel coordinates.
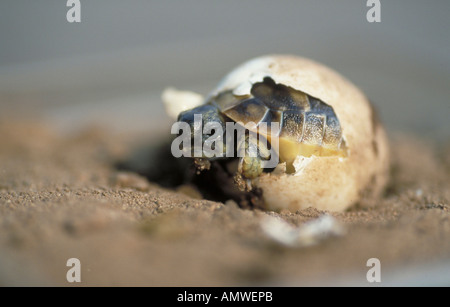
(176, 101)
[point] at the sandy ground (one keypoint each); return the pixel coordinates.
(65, 196)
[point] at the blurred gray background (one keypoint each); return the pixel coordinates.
(111, 68)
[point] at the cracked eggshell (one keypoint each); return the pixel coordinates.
(176, 101)
(326, 183)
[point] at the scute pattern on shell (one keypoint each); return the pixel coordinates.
(303, 118)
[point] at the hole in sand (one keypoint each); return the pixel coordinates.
(157, 164)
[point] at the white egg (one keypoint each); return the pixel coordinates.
(330, 182)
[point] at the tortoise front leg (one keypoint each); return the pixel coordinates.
(250, 165)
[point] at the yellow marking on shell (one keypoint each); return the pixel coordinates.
(289, 149)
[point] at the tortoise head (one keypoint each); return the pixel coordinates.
(207, 124)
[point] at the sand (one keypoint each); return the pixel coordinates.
(65, 196)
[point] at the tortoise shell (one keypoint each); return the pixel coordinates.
(308, 126)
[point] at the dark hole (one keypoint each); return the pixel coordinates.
(158, 165)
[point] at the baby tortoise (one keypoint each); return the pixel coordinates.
(308, 126)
